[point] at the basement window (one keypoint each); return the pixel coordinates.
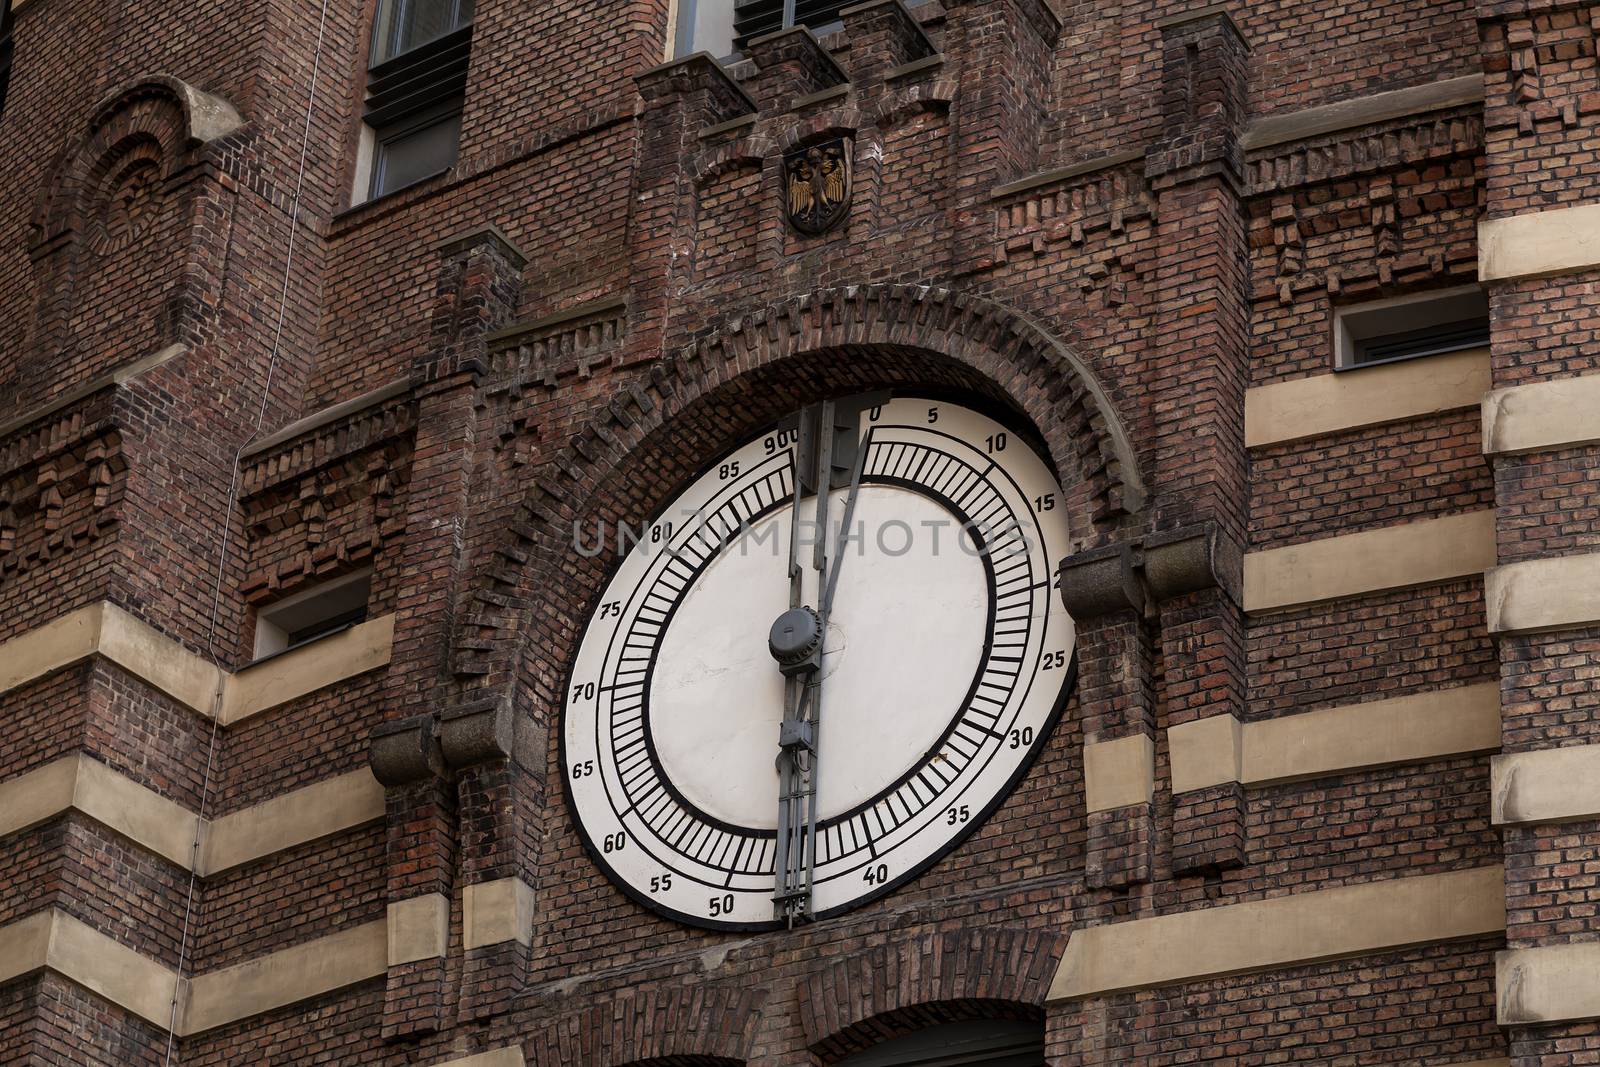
(1410, 327)
(980, 1043)
(416, 87)
(724, 27)
(313, 613)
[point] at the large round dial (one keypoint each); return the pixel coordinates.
(941, 665)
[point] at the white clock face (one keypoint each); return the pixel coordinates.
(946, 659)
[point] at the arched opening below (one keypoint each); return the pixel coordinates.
(972, 1043)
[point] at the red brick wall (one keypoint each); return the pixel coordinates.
(1179, 278)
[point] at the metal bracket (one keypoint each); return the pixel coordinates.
(797, 733)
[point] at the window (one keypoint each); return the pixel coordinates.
(312, 613)
(402, 25)
(723, 27)
(417, 83)
(982, 1043)
(5, 51)
(1409, 327)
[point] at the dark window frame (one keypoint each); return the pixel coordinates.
(973, 1043)
(384, 137)
(424, 86)
(757, 18)
(318, 611)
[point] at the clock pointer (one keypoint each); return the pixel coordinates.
(829, 451)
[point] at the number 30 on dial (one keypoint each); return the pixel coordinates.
(946, 659)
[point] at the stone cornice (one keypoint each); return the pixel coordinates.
(1276, 129)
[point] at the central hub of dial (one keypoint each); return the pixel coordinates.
(795, 638)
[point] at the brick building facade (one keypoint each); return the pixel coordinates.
(1325, 789)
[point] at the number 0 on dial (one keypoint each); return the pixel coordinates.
(946, 660)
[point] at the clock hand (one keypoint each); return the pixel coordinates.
(837, 559)
(796, 642)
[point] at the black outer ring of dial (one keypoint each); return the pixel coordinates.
(1069, 686)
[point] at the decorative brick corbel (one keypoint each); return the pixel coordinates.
(404, 752)
(420, 808)
(476, 732)
(1187, 560)
(1103, 581)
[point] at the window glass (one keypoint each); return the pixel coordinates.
(418, 149)
(402, 25)
(979, 1043)
(705, 26)
(722, 27)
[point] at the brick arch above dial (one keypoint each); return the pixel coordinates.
(737, 378)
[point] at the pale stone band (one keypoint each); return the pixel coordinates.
(1331, 403)
(1547, 984)
(419, 928)
(511, 1056)
(1371, 561)
(1542, 416)
(1556, 593)
(1333, 740)
(496, 912)
(81, 783)
(1539, 243)
(106, 630)
(1118, 773)
(1552, 785)
(413, 929)
(55, 940)
(1264, 935)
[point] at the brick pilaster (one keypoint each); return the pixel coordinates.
(681, 98)
(1541, 120)
(995, 132)
(1195, 575)
(419, 850)
(1201, 279)
(1106, 598)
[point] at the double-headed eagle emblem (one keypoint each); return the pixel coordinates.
(816, 185)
